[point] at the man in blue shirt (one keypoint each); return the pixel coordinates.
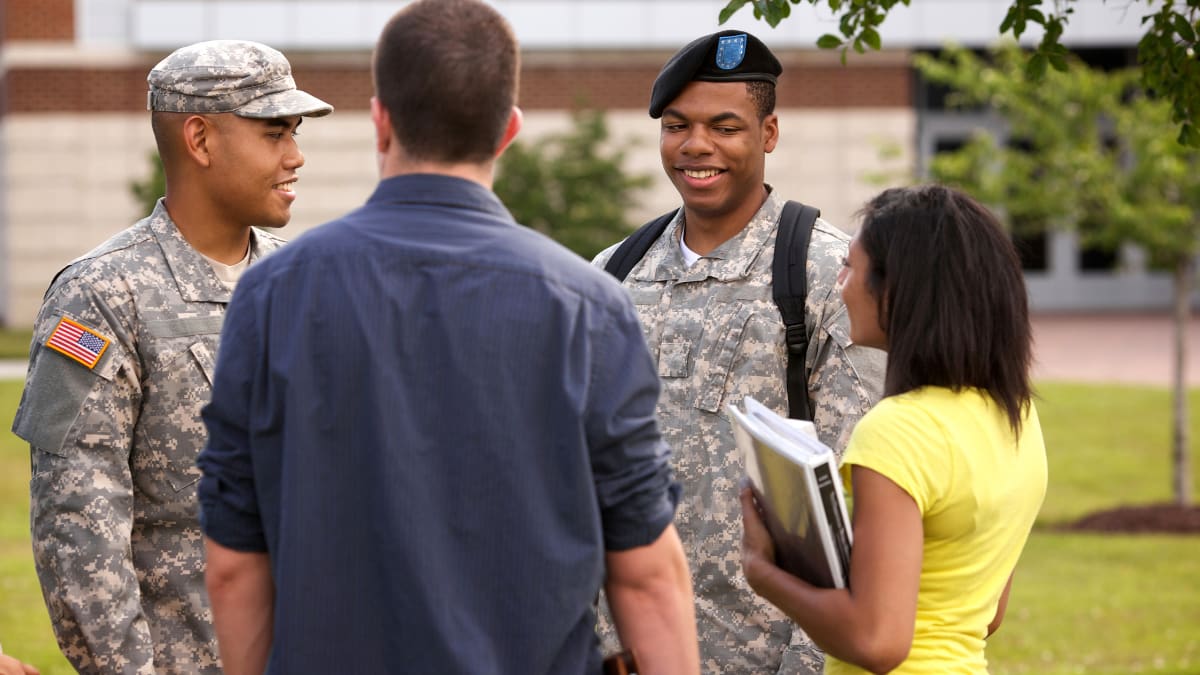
(421, 458)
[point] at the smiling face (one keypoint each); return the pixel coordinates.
(714, 147)
(862, 305)
(255, 163)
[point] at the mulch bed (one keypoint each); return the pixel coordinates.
(1147, 519)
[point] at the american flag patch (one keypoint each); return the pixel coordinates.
(78, 342)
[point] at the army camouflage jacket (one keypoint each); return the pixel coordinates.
(717, 336)
(120, 365)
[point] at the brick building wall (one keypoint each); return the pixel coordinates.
(550, 80)
(75, 133)
(3, 72)
(544, 86)
(38, 19)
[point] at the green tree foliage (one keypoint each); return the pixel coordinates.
(1062, 168)
(148, 190)
(1093, 153)
(1168, 52)
(571, 186)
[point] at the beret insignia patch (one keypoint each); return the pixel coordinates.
(731, 49)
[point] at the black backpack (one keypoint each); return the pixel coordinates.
(790, 285)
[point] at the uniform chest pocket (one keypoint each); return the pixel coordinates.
(179, 350)
(715, 365)
(205, 360)
(170, 432)
(673, 359)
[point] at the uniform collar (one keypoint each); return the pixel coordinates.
(730, 261)
(195, 277)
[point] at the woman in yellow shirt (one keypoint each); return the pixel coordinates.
(948, 471)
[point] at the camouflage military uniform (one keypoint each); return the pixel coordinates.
(116, 539)
(717, 336)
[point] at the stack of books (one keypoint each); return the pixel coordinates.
(799, 494)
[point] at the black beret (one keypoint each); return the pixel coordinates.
(727, 56)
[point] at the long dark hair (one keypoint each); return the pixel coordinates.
(952, 297)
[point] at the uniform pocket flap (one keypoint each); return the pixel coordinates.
(184, 327)
(674, 359)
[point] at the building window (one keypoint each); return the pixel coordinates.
(1097, 259)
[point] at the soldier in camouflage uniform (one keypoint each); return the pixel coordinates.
(122, 360)
(703, 293)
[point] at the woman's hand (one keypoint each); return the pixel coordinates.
(11, 666)
(758, 551)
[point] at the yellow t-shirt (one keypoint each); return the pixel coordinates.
(978, 490)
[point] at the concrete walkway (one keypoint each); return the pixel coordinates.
(12, 370)
(1117, 348)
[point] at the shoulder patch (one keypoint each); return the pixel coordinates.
(78, 342)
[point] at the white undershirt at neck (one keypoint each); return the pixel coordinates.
(229, 274)
(689, 256)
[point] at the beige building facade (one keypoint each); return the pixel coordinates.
(74, 132)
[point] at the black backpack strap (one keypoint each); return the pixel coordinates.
(790, 288)
(635, 246)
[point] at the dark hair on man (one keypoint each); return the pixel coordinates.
(951, 295)
(763, 96)
(446, 71)
(163, 125)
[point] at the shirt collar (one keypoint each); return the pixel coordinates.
(429, 188)
(730, 261)
(196, 279)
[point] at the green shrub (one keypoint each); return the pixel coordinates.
(571, 186)
(148, 191)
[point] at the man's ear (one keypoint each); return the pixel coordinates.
(382, 120)
(197, 138)
(770, 132)
(510, 132)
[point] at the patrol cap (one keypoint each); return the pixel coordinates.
(245, 78)
(727, 56)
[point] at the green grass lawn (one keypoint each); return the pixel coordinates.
(14, 344)
(1109, 446)
(1102, 605)
(1081, 603)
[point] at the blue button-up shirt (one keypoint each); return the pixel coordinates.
(435, 422)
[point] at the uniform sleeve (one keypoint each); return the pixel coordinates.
(630, 461)
(80, 422)
(844, 379)
(229, 512)
(603, 257)
(844, 382)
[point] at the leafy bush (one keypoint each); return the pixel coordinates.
(571, 186)
(148, 191)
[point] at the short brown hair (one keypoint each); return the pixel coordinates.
(447, 71)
